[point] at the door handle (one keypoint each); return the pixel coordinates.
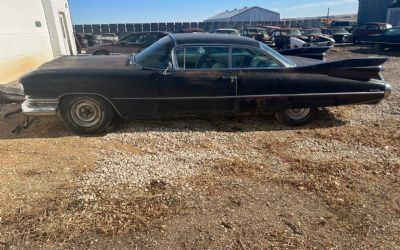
(232, 78)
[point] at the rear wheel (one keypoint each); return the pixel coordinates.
(86, 114)
(296, 117)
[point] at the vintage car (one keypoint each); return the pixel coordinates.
(291, 38)
(369, 29)
(340, 35)
(131, 43)
(198, 74)
(259, 34)
(389, 39)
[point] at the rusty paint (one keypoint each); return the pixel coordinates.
(12, 69)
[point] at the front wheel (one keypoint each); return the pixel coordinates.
(86, 114)
(296, 117)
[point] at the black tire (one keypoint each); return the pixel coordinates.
(296, 117)
(101, 53)
(86, 114)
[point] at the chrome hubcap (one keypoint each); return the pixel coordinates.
(297, 114)
(86, 113)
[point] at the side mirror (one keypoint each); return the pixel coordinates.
(168, 69)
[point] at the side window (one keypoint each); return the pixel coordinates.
(203, 57)
(248, 58)
(153, 37)
(136, 39)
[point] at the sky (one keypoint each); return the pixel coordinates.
(147, 11)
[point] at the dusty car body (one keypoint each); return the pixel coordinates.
(389, 39)
(109, 37)
(198, 74)
(291, 38)
(369, 29)
(259, 34)
(340, 35)
(132, 43)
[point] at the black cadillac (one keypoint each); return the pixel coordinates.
(198, 74)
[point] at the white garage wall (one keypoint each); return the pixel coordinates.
(23, 45)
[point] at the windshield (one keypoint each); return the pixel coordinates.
(157, 55)
(278, 56)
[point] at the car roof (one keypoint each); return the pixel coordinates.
(181, 39)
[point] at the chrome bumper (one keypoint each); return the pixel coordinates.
(388, 90)
(40, 107)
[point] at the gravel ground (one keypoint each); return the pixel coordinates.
(215, 183)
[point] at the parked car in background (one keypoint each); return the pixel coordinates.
(81, 42)
(109, 37)
(369, 29)
(258, 34)
(291, 38)
(310, 32)
(198, 74)
(270, 29)
(389, 39)
(92, 39)
(228, 32)
(347, 25)
(191, 30)
(132, 43)
(339, 35)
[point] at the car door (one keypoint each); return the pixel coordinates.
(133, 43)
(259, 75)
(201, 84)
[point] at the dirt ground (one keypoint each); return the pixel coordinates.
(212, 183)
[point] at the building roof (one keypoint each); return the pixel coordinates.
(235, 12)
(213, 39)
(395, 5)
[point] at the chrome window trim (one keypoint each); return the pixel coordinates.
(231, 46)
(175, 59)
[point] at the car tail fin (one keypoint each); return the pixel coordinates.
(363, 69)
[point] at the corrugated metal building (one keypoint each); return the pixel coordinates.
(373, 10)
(253, 14)
(393, 15)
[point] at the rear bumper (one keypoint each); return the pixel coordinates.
(40, 107)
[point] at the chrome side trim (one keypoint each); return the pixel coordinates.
(47, 107)
(253, 96)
